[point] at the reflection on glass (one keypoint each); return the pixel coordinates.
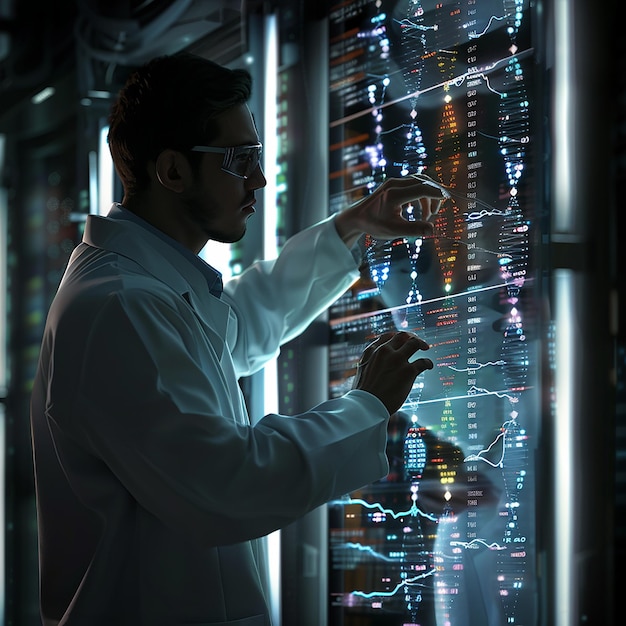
(441, 89)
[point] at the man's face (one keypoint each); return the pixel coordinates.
(219, 203)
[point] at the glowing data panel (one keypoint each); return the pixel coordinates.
(442, 89)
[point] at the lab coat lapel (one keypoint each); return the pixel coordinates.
(214, 316)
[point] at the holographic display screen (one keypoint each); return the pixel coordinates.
(443, 89)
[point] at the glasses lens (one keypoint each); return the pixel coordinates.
(245, 160)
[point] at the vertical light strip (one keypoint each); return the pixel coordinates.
(564, 230)
(93, 181)
(564, 119)
(4, 243)
(106, 174)
(270, 155)
(270, 250)
(270, 139)
(564, 442)
(3, 365)
(3, 566)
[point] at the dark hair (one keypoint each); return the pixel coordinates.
(170, 102)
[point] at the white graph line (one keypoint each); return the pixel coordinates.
(414, 511)
(491, 19)
(405, 583)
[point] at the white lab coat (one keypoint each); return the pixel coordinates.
(152, 486)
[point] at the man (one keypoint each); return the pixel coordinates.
(153, 489)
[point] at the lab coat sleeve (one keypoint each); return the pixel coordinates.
(274, 301)
(148, 404)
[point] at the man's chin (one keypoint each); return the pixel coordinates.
(227, 238)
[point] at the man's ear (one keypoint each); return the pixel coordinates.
(173, 170)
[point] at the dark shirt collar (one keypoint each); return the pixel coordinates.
(213, 277)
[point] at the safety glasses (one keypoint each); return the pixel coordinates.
(240, 161)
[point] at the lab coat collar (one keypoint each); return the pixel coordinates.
(211, 275)
(162, 261)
